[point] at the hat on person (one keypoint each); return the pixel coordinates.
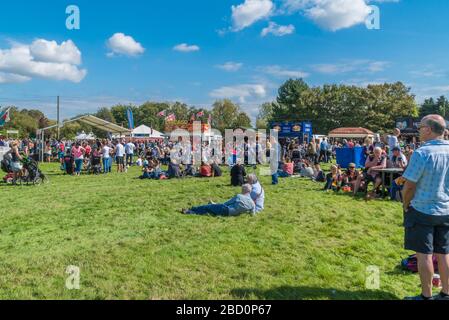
(352, 165)
(396, 149)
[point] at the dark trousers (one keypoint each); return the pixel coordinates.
(129, 159)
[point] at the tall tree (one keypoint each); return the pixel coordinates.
(227, 115)
(443, 106)
(242, 121)
(264, 116)
(105, 114)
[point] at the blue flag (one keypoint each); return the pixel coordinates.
(129, 114)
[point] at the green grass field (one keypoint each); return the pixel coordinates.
(130, 242)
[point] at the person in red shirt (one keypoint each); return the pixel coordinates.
(61, 153)
(88, 149)
(287, 169)
(205, 170)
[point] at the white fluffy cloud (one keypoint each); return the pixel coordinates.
(230, 66)
(278, 71)
(250, 12)
(184, 47)
(331, 14)
(121, 44)
(50, 51)
(242, 92)
(328, 14)
(277, 30)
(12, 78)
(41, 59)
(352, 66)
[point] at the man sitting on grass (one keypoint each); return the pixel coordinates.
(257, 192)
(242, 203)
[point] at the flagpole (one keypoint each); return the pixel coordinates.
(59, 121)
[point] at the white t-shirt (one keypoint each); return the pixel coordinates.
(119, 150)
(393, 142)
(129, 148)
(106, 152)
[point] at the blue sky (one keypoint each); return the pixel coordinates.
(200, 50)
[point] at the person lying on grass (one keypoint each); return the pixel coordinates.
(242, 203)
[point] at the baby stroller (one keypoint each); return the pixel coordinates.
(6, 167)
(95, 165)
(69, 164)
(33, 174)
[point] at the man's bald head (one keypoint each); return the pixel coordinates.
(436, 123)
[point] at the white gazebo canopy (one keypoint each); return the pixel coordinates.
(84, 136)
(147, 133)
(87, 119)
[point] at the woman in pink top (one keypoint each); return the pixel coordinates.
(289, 167)
(78, 155)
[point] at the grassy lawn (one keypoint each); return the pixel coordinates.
(130, 242)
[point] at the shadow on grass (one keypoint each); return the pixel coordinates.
(310, 293)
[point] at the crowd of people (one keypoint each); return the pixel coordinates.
(389, 152)
(296, 160)
(420, 179)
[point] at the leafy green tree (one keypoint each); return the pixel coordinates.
(105, 114)
(443, 106)
(242, 121)
(290, 92)
(375, 107)
(119, 113)
(227, 115)
(264, 116)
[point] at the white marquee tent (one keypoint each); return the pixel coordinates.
(88, 119)
(85, 136)
(144, 132)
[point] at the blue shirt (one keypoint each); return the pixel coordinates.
(241, 204)
(429, 169)
(323, 145)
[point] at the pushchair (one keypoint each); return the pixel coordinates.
(33, 175)
(69, 166)
(6, 167)
(95, 165)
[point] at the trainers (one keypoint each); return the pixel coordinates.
(419, 298)
(441, 296)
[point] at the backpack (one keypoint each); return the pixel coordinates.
(411, 264)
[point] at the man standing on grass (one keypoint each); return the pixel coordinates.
(129, 149)
(426, 205)
(120, 156)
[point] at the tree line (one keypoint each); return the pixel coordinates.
(224, 114)
(375, 107)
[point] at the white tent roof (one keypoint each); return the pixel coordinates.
(146, 131)
(103, 124)
(94, 122)
(84, 136)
